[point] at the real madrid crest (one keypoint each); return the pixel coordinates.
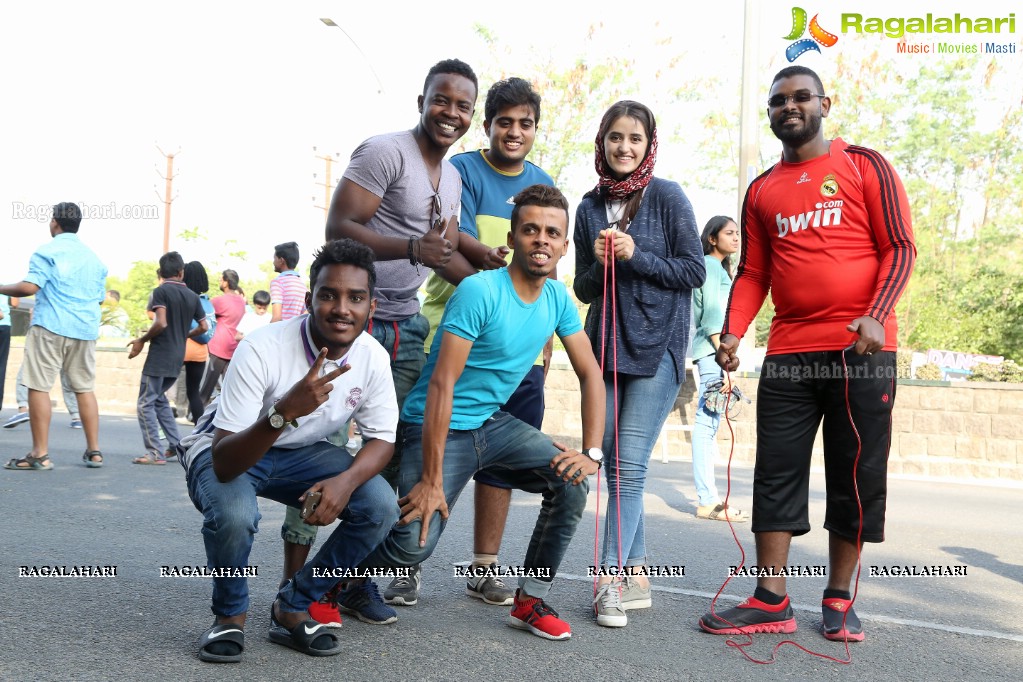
(829, 187)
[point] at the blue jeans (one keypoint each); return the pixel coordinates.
(527, 404)
(154, 412)
(231, 520)
(5, 348)
(404, 341)
(517, 454)
(705, 428)
(643, 405)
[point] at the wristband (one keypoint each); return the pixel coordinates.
(413, 255)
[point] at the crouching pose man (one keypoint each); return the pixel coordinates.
(494, 326)
(288, 387)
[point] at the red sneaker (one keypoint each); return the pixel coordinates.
(749, 617)
(325, 609)
(533, 614)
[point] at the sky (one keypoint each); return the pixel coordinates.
(242, 93)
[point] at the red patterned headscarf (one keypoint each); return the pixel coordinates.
(638, 179)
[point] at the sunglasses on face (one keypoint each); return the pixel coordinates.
(801, 97)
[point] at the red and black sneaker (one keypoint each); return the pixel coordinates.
(325, 610)
(533, 614)
(749, 617)
(840, 621)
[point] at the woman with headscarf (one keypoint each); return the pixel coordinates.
(638, 258)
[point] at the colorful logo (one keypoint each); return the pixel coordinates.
(817, 35)
(830, 186)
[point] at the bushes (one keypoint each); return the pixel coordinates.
(1008, 371)
(929, 372)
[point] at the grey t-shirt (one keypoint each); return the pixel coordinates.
(392, 167)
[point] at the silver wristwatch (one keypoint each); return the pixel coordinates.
(595, 454)
(277, 419)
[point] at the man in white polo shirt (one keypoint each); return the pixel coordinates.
(289, 386)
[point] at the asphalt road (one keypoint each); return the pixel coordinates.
(139, 626)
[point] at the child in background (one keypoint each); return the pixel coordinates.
(258, 317)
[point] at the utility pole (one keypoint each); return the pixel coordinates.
(750, 112)
(326, 184)
(167, 196)
(749, 125)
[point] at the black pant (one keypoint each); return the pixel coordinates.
(193, 381)
(5, 349)
(796, 392)
(214, 370)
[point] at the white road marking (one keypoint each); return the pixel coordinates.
(817, 609)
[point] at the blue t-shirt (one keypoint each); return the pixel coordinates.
(72, 284)
(709, 303)
(487, 195)
(506, 336)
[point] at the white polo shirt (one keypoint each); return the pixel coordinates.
(271, 360)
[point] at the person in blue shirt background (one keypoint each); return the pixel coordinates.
(5, 341)
(720, 240)
(68, 281)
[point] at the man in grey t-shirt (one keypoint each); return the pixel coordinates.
(400, 197)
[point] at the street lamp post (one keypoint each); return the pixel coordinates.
(330, 22)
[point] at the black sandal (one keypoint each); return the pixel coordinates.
(216, 641)
(30, 463)
(89, 457)
(303, 636)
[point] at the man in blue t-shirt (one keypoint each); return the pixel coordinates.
(490, 180)
(452, 426)
(68, 280)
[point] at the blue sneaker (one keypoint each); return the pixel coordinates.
(76, 423)
(15, 419)
(362, 600)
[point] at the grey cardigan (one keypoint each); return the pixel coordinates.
(654, 287)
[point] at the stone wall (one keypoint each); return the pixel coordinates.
(960, 430)
(963, 430)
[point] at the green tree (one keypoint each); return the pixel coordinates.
(135, 290)
(962, 178)
(576, 93)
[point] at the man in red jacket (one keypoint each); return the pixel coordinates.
(827, 230)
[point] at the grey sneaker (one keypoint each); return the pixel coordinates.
(634, 596)
(608, 605)
(404, 590)
(489, 587)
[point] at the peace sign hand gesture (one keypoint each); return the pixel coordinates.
(310, 391)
